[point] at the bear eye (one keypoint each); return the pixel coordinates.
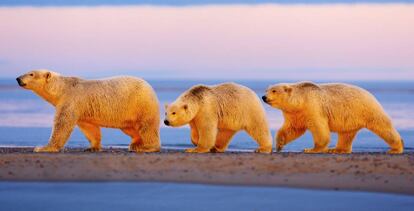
(31, 74)
(173, 113)
(274, 91)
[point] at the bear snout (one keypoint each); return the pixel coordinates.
(20, 82)
(166, 122)
(264, 98)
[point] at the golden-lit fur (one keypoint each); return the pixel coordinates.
(332, 107)
(216, 113)
(127, 103)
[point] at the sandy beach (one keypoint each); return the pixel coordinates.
(376, 172)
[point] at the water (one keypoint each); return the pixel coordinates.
(26, 120)
(170, 196)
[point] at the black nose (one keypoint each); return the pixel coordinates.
(166, 122)
(20, 82)
(264, 98)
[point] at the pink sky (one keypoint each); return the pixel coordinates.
(355, 41)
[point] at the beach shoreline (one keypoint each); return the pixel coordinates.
(376, 172)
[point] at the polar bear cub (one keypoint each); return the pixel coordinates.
(216, 113)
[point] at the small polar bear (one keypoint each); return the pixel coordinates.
(331, 107)
(127, 103)
(216, 113)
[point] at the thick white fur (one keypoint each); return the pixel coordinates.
(127, 103)
(216, 113)
(331, 107)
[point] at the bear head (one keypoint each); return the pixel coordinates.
(282, 96)
(36, 80)
(179, 113)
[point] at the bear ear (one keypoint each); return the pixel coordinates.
(48, 75)
(185, 107)
(287, 89)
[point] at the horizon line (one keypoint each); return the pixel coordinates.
(235, 79)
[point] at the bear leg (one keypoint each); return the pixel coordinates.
(223, 139)
(93, 134)
(194, 134)
(344, 145)
(144, 139)
(386, 131)
(321, 138)
(64, 123)
(207, 138)
(287, 134)
(263, 138)
(135, 138)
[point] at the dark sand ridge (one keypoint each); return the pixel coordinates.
(358, 171)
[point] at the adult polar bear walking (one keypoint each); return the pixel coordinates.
(341, 108)
(216, 113)
(127, 103)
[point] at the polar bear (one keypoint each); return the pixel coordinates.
(127, 103)
(331, 107)
(216, 113)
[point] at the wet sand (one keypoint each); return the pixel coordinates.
(377, 172)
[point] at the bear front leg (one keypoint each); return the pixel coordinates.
(344, 145)
(287, 134)
(93, 134)
(64, 122)
(194, 134)
(223, 140)
(321, 137)
(207, 137)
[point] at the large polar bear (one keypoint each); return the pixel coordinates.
(332, 107)
(127, 103)
(216, 113)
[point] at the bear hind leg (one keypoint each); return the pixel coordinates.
(223, 140)
(93, 134)
(150, 138)
(135, 138)
(344, 145)
(386, 131)
(263, 138)
(143, 139)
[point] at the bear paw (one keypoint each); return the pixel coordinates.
(395, 151)
(197, 150)
(263, 150)
(314, 151)
(45, 149)
(139, 148)
(93, 149)
(338, 151)
(279, 148)
(217, 150)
